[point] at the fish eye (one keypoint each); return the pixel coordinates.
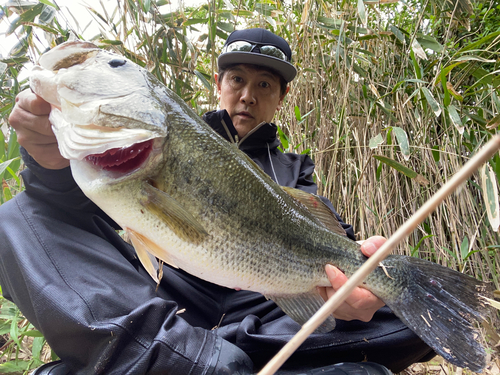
(117, 62)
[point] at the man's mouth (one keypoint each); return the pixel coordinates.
(245, 114)
(122, 159)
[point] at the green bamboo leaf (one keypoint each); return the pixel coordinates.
(449, 68)
(480, 120)
(414, 251)
(14, 24)
(3, 156)
(429, 42)
(33, 333)
(283, 138)
(444, 84)
(14, 367)
(397, 166)
(242, 13)
(451, 253)
(403, 143)
(368, 37)
(111, 42)
(416, 65)
(297, 114)
(13, 146)
(146, 5)
(307, 151)
(492, 124)
(473, 58)
(4, 328)
(376, 141)
(455, 118)
(481, 41)
(14, 330)
(303, 118)
(418, 50)
(203, 79)
(362, 12)
(5, 164)
(490, 195)
(46, 28)
(29, 15)
(271, 21)
(378, 172)
(435, 153)
(46, 2)
(464, 248)
(226, 26)
(38, 343)
(398, 33)
(431, 101)
(195, 21)
(7, 194)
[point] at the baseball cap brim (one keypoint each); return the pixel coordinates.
(285, 69)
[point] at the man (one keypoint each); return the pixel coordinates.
(78, 282)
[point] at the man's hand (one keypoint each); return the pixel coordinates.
(361, 304)
(30, 119)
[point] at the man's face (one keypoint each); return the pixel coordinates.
(250, 96)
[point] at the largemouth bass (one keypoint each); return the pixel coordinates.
(192, 199)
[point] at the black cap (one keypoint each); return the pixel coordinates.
(259, 37)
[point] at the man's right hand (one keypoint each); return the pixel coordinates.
(30, 119)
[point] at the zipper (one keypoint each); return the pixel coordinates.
(251, 132)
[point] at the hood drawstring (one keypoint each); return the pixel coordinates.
(271, 161)
(229, 135)
(238, 143)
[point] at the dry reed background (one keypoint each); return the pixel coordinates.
(360, 75)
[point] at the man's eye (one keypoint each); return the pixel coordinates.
(237, 79)
(265, 84)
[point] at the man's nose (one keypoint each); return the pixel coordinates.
(248, 96)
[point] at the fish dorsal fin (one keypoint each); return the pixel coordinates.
(181, 222)
(318, 208)
(301, 307)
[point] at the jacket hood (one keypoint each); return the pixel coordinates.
(263, 136)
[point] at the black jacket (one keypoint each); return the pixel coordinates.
(286, 169)
(82, 286)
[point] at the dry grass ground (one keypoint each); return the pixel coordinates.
(438, 366)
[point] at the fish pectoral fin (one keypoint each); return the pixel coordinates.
(144, 245)
(301, 307)
(148, 261)
(181, 222)
(318, 208)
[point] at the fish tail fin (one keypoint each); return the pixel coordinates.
(442, 307)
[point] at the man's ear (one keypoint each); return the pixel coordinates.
(282, 98)
(216, 77)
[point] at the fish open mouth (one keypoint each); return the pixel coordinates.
(122, 160)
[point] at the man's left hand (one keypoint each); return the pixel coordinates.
(361, 303)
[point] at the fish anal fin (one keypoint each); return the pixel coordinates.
(301, 307)
(147, 260)
(181, 222)
(147, 248)
(318, 208)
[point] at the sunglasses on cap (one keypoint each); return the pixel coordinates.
(241, 46)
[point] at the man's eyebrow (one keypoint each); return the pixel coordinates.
(258, 71)
(268, 74)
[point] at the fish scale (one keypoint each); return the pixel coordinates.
(200, 204)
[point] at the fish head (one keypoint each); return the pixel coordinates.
(106, 110)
